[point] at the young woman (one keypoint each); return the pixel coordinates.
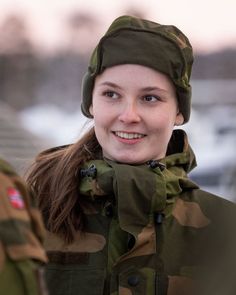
(122, 216)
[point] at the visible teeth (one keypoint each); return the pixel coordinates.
(128, 135)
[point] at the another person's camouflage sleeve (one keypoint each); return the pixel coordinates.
(21, 232)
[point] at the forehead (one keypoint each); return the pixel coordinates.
(135, 74)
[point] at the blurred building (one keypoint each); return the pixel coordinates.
(17, 145)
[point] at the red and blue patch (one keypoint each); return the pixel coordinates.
(15, 198)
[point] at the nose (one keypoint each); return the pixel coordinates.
(129, 114)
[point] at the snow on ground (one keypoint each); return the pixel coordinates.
(52, 123)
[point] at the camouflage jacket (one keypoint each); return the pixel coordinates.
(149, 230)
(21, 233)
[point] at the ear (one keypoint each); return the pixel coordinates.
(91, 110)
(179, 120)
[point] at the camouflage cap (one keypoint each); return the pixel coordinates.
(130, 40)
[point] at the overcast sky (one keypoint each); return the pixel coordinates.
(209, 24)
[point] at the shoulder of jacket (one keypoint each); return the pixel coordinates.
(217, 208)
(202, 196)
(21, 225)
(17, 202)
(6, 168)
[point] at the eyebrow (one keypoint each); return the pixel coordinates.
(110, 84)
(153, 88)
(149, 88)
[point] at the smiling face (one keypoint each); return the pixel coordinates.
(135, 109)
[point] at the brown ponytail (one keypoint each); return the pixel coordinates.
(54, 179)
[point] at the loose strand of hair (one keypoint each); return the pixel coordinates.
(54, 179)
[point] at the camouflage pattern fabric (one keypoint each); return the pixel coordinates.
(149, 230)
(21, 233)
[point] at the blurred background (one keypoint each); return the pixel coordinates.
(44, 50)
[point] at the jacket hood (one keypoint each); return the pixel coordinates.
(180, 153)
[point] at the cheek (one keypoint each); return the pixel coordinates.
(172, 116)
(101, 119)
(163, 120)
(102, 114)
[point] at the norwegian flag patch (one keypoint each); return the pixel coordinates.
(15, 198)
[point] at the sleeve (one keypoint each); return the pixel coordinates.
(21, 232)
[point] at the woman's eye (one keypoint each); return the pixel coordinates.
(111, 94)
(151, 98)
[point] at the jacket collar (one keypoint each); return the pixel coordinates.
(140, 191)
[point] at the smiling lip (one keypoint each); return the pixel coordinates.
(129, 136)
